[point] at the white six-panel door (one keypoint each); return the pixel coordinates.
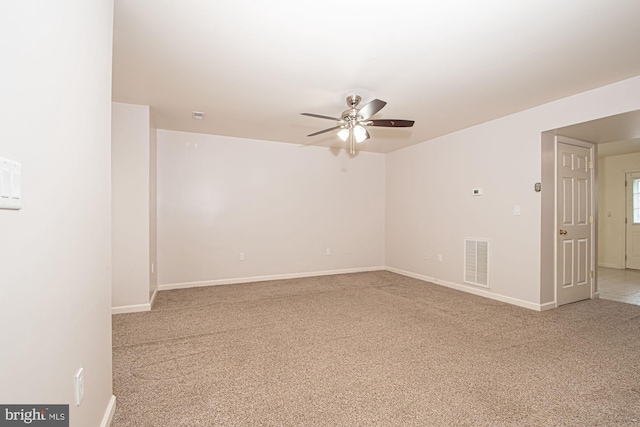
(574, 223)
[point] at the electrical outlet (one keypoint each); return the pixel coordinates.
(327, 251)
(439, 257)
(426, 257)
(241, 256)
(79, 383)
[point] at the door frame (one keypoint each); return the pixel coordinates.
(594, 210)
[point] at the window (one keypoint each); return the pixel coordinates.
(636, 200)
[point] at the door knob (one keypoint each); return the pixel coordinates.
(563, 232)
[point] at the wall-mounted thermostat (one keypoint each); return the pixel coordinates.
(10, 184)
(477, 191)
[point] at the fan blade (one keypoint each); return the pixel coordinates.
(371, 108)
(391, 123)
(325, 130)
(320, 117)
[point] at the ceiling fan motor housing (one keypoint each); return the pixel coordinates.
(350, 117)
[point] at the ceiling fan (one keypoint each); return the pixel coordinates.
(353, 121)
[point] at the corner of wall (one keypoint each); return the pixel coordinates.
(547, 217)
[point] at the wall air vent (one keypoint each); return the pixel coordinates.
(476, 262)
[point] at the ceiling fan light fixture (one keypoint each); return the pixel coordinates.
(343, 134)
(351, 125)
(360, 133)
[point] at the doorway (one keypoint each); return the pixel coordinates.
(617, 152)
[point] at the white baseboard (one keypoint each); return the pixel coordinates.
(547, 306)
(137, 308)
(171, 286)
(608, 265)
(476, 291)
(108, 415)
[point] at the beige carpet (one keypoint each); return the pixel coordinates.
(372, 349)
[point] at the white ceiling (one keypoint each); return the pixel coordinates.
(254, 66)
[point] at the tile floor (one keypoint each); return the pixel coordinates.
(619, 285)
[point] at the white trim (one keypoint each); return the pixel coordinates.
(476, 291)
(136, 308)
(548, 306)
(555, 221)
(108, 415)
(608, 265)
(131, 308)
(171, 286)
(153, 297)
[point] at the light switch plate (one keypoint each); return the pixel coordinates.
(10, 184)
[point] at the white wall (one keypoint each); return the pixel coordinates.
(430, 208)
(281, 205)
(55, 279)
(612, 206)
(133, 162)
